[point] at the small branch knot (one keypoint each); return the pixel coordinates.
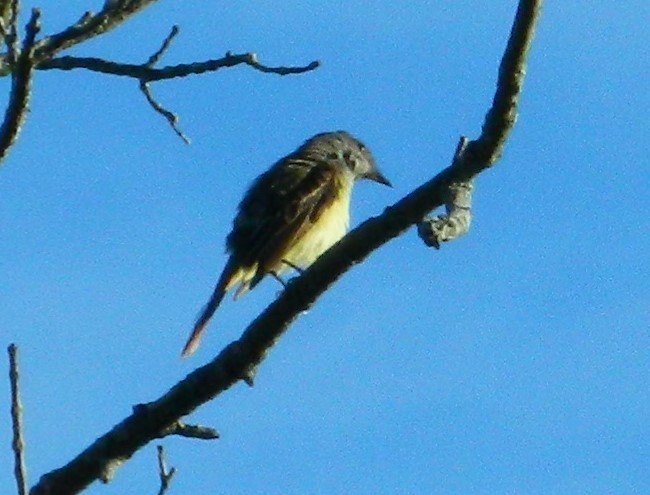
(456, 223)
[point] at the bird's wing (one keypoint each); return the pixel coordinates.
(284, 203)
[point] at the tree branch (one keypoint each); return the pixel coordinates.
(171, 117)
(239, 359)
(114, 12)
(143, 72)
(21, 85)
(18, 442)
(501, 117)
(146, 73)
(88, 26)
(499, 121)
(9, 12)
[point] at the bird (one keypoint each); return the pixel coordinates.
(290, 215)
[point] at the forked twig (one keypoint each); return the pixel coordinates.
(165, 474)
(171, 117)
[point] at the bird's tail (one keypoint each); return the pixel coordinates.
(228, 278)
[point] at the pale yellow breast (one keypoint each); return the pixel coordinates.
(331, 226)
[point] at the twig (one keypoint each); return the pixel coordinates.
(236, 359)
(18, 442)
(149, 74)
(165, 475)
(21, 84)
(171, 117)
(251, 60)
(155, 58)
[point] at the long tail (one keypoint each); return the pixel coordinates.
(225, 282)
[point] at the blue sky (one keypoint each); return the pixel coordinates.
(515, 360)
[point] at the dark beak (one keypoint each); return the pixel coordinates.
(377, 176)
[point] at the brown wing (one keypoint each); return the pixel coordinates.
(280, 206)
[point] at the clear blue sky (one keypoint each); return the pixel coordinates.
(516, 360)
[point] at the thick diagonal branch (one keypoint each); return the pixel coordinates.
(239, 358)
(502, 116)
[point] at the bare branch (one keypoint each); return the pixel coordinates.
(21, 85)
(18, 442)
(144, 73)
(237, 359)
(501, 117)
(483, 152)
(9, 12)
(251, 60)
(147, 73)
(165, 474)
(114, 12)
(7, 9)
(171, 117)
(90, 25)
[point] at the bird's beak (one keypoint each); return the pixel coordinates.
(377, 176)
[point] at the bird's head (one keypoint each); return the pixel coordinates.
(351, 153)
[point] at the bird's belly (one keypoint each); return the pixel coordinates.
(330, 227)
